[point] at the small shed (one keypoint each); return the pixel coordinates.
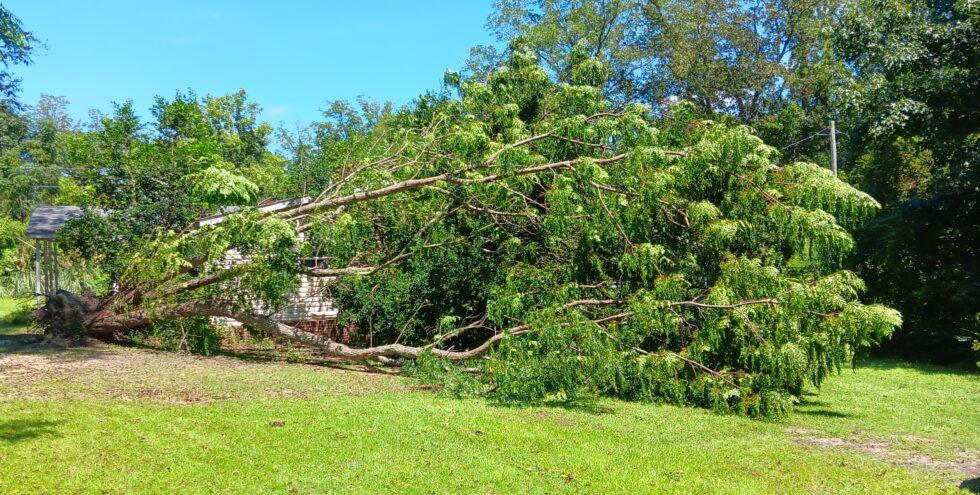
(42, 229)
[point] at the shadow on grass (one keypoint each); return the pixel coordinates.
(823, 413)
(26, 429)
(273, 355)
(885, 364)
(809, 406)
(36, 345)
(586, 406)
(19, 341)
(972, 485)
(310, 358)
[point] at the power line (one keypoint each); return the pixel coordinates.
(811, 136)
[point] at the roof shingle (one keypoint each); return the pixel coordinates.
(46, 220)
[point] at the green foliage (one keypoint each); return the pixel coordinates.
(194, 335)
(898, 76)
(447, 376)
(913, 102)
(77, 277)
(219, 187)
(143, 182)
(766, 64)
(408, 305)
(659, 252)
(565, 362)
(693, 269)
(17, 315)
(11, 233)
(34, 146)
(17, 47)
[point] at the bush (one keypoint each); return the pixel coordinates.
(193, 335)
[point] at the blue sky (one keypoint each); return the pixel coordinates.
(291, 56)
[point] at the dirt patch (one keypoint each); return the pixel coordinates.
(964, 463)
(555, 418)
(45, 371)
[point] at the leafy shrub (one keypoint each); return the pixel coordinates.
(194, 335)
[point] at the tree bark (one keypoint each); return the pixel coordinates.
(68, 315)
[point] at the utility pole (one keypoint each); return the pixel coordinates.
(833, 147)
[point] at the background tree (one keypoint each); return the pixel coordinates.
(20, 137)
(17, 46)
(197, 155)
(765, 63)
(911, 99)
(554, 29)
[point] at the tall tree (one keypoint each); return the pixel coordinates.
(555, 28)
(17, 46)
(20, 137)
(747, 59)
(900, 78)
(911, 99)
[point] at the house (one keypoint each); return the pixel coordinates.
(310, 307)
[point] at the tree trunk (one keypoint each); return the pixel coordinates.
(67, 315)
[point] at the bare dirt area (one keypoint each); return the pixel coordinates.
(894, 451)
(34, 368)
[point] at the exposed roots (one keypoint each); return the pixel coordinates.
(65, 315)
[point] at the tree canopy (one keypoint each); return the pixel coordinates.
(17, 47)
(913, 103)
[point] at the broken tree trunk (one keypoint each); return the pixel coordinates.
(70, 316)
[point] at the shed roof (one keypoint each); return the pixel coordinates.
(46, 220)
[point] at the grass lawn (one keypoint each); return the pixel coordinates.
(109, 419)
(7, 307)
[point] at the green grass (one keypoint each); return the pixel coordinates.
(108, 419)
(8, 307)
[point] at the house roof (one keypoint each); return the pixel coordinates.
(46, 220)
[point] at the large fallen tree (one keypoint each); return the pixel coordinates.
(574, 248)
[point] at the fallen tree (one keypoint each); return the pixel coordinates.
(574, 248)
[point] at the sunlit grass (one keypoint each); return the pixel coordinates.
(9, 308)
(108, 419)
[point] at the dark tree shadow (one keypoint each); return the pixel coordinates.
(305, 356)
(15, 342)
(972, 484)
(586, 406)
(825, 413)
(918, 367)
(806, 401)
(39, 345)
(308, 357)
(26, 429)
(809, 406)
